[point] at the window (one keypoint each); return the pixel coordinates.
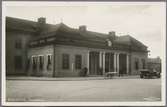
(34, 62)
(49, 58)
(136, 64)
(18, 44)
(144, 63)
(65, 61)
(18, 62)
(78, 61)
(28, 63)
(109, 43)
(41, 62)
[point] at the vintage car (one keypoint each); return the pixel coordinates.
(147, 73)
(110, 74)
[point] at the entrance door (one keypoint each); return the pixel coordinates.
(122, 64)
(94, 68)
(109, 62)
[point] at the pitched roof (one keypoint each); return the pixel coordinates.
(20, 24)
(63, 31)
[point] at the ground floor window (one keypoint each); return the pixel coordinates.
(41, 62)
(34, 62)
(65, 61)
(78, 61)
(136, 63)
(28, 63)
(18, 62)
(49, 62)
(144, 63)
(18, 44)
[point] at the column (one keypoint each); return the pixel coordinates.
(127, 61)
(37, 61)
(109, 61)
(103, 63)
(88, 62)
(118, 63)
(115, 62)
(100, 59)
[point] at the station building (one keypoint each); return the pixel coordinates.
(42, 49)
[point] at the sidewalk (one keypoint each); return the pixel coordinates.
(67, 78)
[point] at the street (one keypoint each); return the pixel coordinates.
(87, 90)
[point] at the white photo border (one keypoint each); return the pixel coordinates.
(49, 3)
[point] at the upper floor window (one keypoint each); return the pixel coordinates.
(18, 44)
(78, 61)
(65, 61)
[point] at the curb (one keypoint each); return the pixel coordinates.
(70, 79)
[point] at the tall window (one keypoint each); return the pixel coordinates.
(28, 63)
(18, 44)
(34, 62)
(144, 63)
(41, 62)
(78, 61)
(136, 64)
(49, 63)
(65, 61)
(18, 62)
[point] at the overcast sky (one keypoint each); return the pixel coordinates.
(145, 22)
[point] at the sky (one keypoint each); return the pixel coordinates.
(143, 21)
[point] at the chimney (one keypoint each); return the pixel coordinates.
(112, 34)
(82, 28)
(42, 20)
(41, 25)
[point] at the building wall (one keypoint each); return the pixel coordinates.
(41, 51)
(139, 56)
(12, 51)
(156, 66)
(72, 51)
(59, 51)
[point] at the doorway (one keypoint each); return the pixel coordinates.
(109, 62)
(122, 64)
(94, 67)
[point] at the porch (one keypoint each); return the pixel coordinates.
(99, 63)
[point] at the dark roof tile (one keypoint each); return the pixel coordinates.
(63, 31)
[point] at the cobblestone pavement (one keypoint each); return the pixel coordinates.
(134, 89)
